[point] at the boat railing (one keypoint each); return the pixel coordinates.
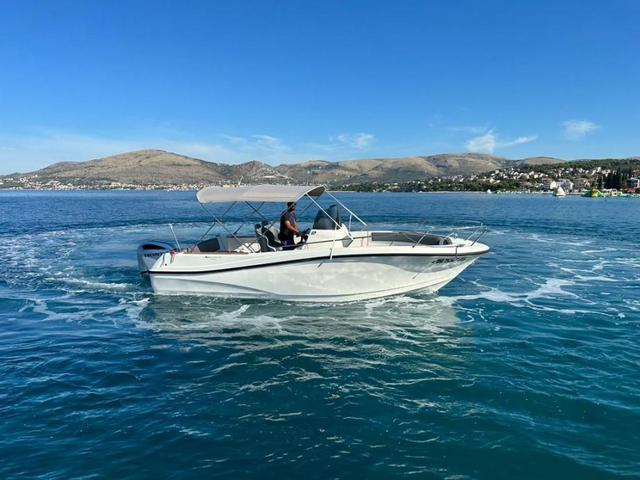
(474, 229)
(477, 231)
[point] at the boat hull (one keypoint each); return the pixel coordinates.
(338, 279)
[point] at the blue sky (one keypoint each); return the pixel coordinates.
(285, 81)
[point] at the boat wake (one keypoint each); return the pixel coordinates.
(93, 275)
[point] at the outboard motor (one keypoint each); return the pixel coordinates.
(150, 252)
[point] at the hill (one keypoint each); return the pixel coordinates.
(400, 169)
(151, 167)
(534, 161)
(157, 167)
(143, 167)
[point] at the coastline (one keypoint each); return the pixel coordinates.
(177, 190)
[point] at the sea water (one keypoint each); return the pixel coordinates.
(526, 366)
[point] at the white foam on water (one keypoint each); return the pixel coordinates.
(204, 320)
(28, 261)
(233, 315)
(493, 295)
(132, 308)
(55, 260)
(371, 305)
(568, 311)
(398, 334)
(506, 265)
(558, 240)
(72, 307)
(553, 287)
(633, 304)
(592, 278)
(539, 238)
(407, 318)
(41, 306)
(581, 243)
(193, 432)
(602, 250)
(99, 285)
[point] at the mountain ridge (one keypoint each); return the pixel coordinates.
(159, 167)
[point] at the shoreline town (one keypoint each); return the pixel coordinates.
(592, 178)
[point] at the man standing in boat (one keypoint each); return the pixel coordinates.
(289, 227)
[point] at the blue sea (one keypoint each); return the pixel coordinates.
(527, 366)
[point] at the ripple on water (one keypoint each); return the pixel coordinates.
(527, 362)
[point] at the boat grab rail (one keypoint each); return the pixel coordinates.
(477, 231)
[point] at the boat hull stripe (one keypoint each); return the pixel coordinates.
(313, 259)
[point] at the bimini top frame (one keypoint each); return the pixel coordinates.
(258, 193)
(264, 194)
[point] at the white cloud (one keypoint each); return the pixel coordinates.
(489, 142)
(232, 139)
(473, 129)
(343, 143)
(483, 143)
(518, 141)
(256, 144)
(577, 129)
(269, 142)
(358, 141)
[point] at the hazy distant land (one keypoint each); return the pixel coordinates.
(157, 167)
(161, 169)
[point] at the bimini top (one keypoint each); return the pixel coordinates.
(257, 193)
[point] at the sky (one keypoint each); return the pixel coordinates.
(287, 81)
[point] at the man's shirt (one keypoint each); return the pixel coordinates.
(284, 231)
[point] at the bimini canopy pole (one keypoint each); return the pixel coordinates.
(212, 225)
(331, 218)
(219, 221)
(248, 217)
(257, 193)
(348, 210)
(257, 210)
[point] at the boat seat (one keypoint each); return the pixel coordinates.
(207, 246)
(267, 236)
(324, 221)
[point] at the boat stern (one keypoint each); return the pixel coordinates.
(150, 252)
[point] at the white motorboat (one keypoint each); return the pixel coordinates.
(331, 263)
(559, 192)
